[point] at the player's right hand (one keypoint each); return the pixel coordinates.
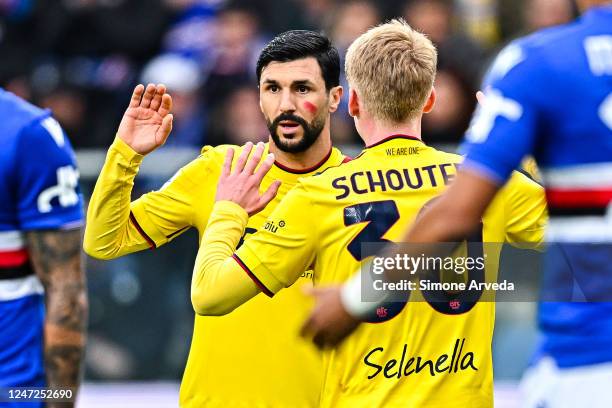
(241, 184)
(147, 122)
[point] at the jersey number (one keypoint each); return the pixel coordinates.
(381, 216)
(64, 190)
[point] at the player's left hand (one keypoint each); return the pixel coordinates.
(328, 323)
(241, 184)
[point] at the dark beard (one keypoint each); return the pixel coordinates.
(311, 132)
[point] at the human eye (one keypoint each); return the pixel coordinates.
(272, 88)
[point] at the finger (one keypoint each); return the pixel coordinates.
(227, 164)
(242, 159)
(268, 195)
(148, 96)
(166, 105)
(136, 96)
(264, 168)
(255, 159)
(160, 90)
(164, 130)
(481, 98)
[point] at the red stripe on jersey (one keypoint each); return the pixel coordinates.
(346, 159)
(391, 137)
(578, 198)
(141, 232)
(11, 259)
(259, 283)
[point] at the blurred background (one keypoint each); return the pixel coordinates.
(82, 58)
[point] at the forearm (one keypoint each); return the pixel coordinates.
(57, 260)
(109, 232)
(65, 334)
(219, 285)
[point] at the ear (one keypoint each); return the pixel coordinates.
(353, 104)
(335, 95)
(431, 101)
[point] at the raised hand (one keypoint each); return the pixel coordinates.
(147, 121)
(241, 185)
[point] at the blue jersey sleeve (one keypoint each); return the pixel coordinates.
(47, 193)
(504, 130)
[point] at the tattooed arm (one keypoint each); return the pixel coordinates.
(56, 257)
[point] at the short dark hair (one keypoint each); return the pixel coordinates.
(297, 44)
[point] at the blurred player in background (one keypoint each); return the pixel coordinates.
(550, 95)
(430, 353)
(43, 295)
(238, 360)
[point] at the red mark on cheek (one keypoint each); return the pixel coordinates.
(310, 107)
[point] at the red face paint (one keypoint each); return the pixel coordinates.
(310, 107)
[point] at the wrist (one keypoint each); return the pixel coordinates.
(125, 150)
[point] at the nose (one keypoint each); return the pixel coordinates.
(286, 103)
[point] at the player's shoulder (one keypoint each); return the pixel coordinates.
(447, 156)
(522, 184)
(538, 51)
(365, 161)
(213, 156)
(331, 172)
(210, 160)
(18, 116)
(12, 104)
(551, 42)
(219, 150)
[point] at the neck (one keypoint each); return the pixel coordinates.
(308, 158)
(374, 131)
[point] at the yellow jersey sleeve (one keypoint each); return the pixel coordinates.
(278, 254)
(115, 226)
(219, 284)
(108, 231)
(526, 213)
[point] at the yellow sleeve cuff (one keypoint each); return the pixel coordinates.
(230, 211)
(255, 268)
(126, 152)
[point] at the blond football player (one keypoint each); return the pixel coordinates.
(237, 360)
(428, 354)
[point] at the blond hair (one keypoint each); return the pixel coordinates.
(393, 68)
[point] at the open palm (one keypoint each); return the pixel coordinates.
(147, 121)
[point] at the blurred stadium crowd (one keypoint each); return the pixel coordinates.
(81, 58)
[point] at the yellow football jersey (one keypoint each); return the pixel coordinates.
(422, 357)
(237, 360)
